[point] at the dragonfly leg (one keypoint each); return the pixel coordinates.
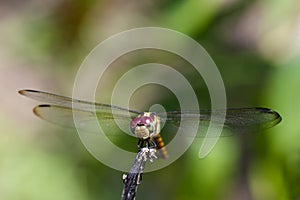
(139, 145)
(150, 144)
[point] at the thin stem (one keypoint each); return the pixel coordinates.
(134, 176)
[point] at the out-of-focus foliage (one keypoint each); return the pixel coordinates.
(255, 44)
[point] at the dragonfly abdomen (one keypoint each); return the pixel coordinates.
(160, 146)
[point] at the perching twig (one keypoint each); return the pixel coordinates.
(134, 177)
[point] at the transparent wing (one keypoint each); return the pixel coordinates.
(238, 120)
(77, 104)
(61, 112)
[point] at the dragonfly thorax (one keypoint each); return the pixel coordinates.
(145, 125)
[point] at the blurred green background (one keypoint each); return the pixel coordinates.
(255, 44)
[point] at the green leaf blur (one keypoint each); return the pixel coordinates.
(255, 45)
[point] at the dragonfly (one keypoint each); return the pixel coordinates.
(146, 126)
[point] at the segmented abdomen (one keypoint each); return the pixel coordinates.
(160, 146)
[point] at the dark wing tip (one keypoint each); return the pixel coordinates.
(22, 92)
(272, 112)
(43, 105)
(275, 116)
(26, 91)
(36, 109)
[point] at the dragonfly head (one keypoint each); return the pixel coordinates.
(143, 125)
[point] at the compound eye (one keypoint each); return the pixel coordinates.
(146, 120)
(135, 121)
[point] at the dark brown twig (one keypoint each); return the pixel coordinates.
(134, 176)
